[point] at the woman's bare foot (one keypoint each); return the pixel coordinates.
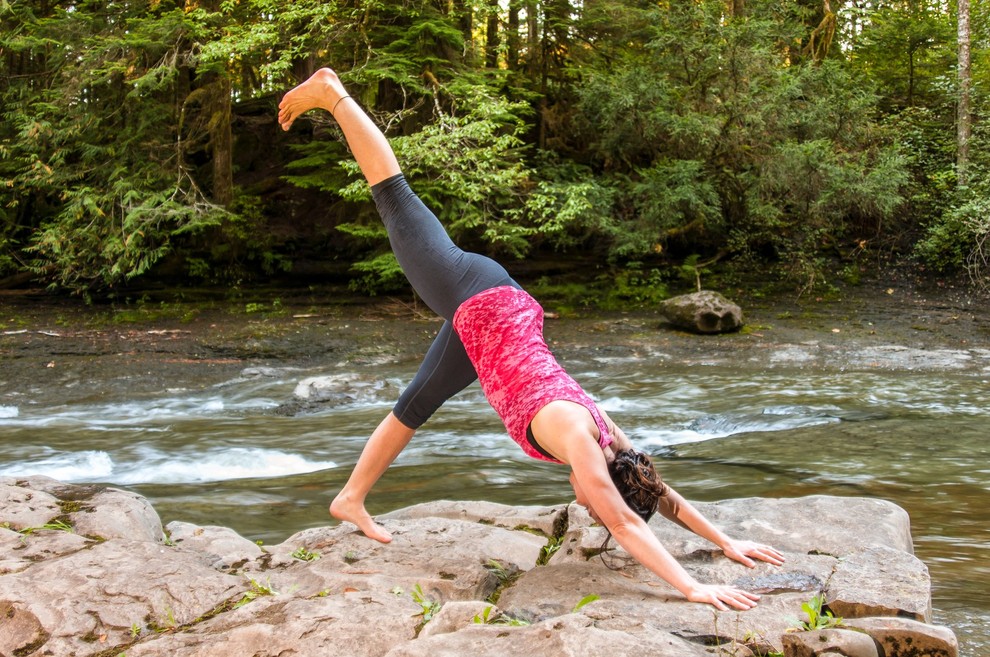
(322, 90)
(355, 513)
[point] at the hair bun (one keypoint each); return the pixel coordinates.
(637, 481)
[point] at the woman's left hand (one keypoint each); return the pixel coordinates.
(742, 551)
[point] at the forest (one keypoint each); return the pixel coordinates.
(617, 143)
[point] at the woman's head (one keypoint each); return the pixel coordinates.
(638, 482)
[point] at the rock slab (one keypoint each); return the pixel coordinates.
(459, 578)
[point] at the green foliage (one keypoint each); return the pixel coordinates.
(429, 607)
(957, 219)
(305, 555)
(926, 139)
(237, 244)
(959, 238)
(819, 618)
(485, 618)
(467, 165)
(906, 50)
(588, 599)
(668, 197)
(946, 243)
(634, 285)
(255, 591)
(833, 193)
(381, 273)
(710, 138)
(92, 160)
(8, 258)
(636, 133)
(691, 270)
(564, 211)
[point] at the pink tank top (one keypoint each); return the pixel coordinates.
(502, 332)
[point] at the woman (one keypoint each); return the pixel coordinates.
(493, 332)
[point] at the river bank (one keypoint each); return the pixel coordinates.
(887, 324)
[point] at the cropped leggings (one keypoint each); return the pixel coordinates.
(444, 276)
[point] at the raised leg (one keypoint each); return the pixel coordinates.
(324, 90)
(441, 273)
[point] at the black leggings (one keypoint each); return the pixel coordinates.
(444, 276)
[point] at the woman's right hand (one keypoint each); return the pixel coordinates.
(723, 597)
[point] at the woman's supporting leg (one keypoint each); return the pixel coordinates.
(323, 90)
(387, 441)
(445, 371)
(443, 374)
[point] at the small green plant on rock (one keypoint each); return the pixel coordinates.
(305, 555)
(256, 591)
(548, 550)
(52, 525)
(484, 618)
(753, 642)
(818, 617)
(585, 600)
(757, 642)
(503, 575)
(161, 625)
(430, 607)
(496, 568)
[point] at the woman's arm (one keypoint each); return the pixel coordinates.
(592, 482)
(677, 509)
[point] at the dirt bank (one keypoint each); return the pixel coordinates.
(893, 323)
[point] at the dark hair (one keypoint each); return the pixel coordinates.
(638, 481)
(640, 485)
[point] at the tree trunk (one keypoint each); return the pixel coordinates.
(910, 96)
(222, 143)
(964, 122)
(492, 40)
(462, 11)
(513, 39)
(532, 38)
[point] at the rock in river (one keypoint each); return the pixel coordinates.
(703, 312)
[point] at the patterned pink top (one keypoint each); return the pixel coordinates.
(502, 332)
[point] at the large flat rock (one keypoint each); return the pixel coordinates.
(88, 571)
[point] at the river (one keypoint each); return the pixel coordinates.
(227, 452)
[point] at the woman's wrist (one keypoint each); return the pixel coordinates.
(721, 540)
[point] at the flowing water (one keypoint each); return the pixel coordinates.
(221, 453)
